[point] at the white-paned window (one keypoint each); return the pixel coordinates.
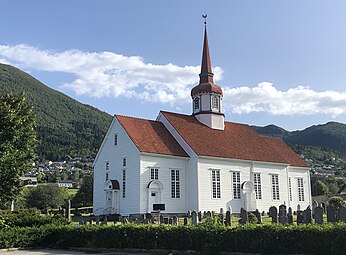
(236, 184)
(115, 139)
(196, 103)
(215, 102)
(107, 176)
(154, 174)
(124, 183)
(275, 187)
(258, 185)
(290, 188)
(300, 189)
(175, 184)
(124, 161)
(216, 184)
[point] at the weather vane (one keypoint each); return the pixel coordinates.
(205, 18)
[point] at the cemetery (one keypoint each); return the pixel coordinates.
(279, 230)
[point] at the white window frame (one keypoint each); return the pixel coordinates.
(124, 184)
(154, 173)
(257, 185)
(236, 184)
(175, 183)
(124, 161)
(290, 188)
(215, 177)
(300, 186)
(196, 103)
(107, 176)
(116, 139)
(275, 187)
(215, 104)
(107, 166)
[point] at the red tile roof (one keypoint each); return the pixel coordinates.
(150, 136)
(237, 141)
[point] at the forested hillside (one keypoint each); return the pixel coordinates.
(64, 126)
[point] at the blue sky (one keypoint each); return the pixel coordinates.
(279, 62)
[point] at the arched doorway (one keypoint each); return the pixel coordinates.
(154, 194)
(112, 197)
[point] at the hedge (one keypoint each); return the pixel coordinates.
(265, 239)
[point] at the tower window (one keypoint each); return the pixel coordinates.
(196, 103)
(215, 103)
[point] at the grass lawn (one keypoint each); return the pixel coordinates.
(72, 192)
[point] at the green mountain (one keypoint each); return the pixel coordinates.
(331, 135)
(64, 126)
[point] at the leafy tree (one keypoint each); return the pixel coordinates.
(337, 202)
(46, 196)
(84, 196)
(17, 143)
(319, 188)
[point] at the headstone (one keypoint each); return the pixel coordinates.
(97, 220)
(314, 205)
(263, 213)
(170, 221)
(308, 215)
(258, 216)
(188, 213)
(185, 221)
(300, 217)
(68, 209)
(162, 219)
(125, 220)
(209, 214)
(81, 221)
(228, 221)
(166, 220)
(318, 215)
(273, 213)
(230, 209)
(298, 208)
(221, 218)
(243, 216)
(290, 216)
(91, 221)
(283, 214)
(342, 214)
(194, 218)
(331, 213)
(175, 220)
(199, 215)
(221, 210)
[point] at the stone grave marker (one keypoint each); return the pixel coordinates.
(318, 215)
(228, 221)
(298, 208)
(162, 219)
(308, 215)
(300, 217)
(185, 221)
(258, 216)
(194, 218)
(290, 216)
(221, 218)
(175, 220)
(273, 213)
(199, 215)
(283, 214)
(243, 216)
(342, 214)
(68, 209)
(331, 213)
(188, 213)
(170, 221)
(221, 210)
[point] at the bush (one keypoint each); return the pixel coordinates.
(251, 238)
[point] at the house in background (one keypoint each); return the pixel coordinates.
(195, 162)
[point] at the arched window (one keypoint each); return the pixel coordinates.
(196, 103)
(215, 102)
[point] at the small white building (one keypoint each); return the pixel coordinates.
(65, 184)
(195, 162)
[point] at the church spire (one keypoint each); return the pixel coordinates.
(207, 96)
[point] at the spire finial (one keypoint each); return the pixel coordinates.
(205, 18)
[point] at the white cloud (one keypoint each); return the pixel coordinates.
(106, 74)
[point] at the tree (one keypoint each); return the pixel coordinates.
(47, 196)
(84, 196)
(319, 188)
(17, 143)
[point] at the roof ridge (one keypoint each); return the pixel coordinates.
(130, 117)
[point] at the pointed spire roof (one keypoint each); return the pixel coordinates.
(206, 77)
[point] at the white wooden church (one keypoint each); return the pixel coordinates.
(196, 162)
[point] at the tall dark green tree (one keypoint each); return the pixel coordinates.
(17, 143)
(84, 196)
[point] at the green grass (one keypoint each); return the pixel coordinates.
(72, 192)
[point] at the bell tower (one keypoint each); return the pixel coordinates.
(207, 96)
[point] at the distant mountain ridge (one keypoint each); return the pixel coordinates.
(331, 135)
(64, 126)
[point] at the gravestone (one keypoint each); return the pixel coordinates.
(162, 219)
(314, 205)
(290, 216)
(221, 218)
(204, 214)
(228, 221)
(298, 208)
(243, 216)
(188, 213)
(283, 214)
(91, 221)
(185, 221)
(307, 215)
(68, 210)
(170, 221)
(165, 220)
(209, 214)
(331, 213)
(258, 216)
(97, 220)
(81, 221)
(221, 210)
(199, 216)
(300, 217)
(175, 220)
(342, 214)
(194, 218)
(273, 213)
(318, 215)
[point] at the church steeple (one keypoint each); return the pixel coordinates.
(207, 96)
